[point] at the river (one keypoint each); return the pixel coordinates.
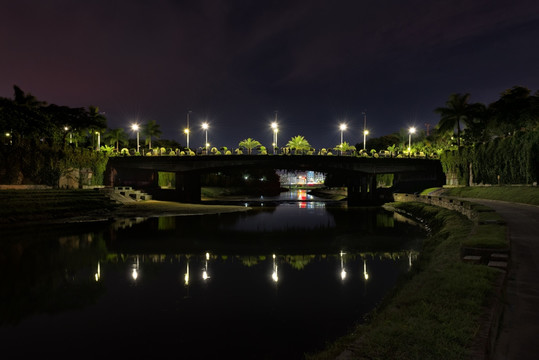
(276, 282)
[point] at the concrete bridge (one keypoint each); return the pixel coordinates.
(358, 174)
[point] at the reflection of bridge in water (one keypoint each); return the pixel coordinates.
(357, 174)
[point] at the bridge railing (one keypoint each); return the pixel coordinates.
(281, 152)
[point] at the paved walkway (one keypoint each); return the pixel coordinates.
(519, 329)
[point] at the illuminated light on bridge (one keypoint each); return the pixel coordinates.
(186, 131)
(205, 127)
(410, 132)
(136, 128)
(275, 128)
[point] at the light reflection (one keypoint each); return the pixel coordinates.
(135, 270)
(97, 275)
(274, 274)
(298, 262)
(365, 273)
(343, 270)
(205, 275)
(186, 275)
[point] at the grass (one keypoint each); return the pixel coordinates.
(435, 312)
(518, 194)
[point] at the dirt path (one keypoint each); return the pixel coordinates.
(519, 329)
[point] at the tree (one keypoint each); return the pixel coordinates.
(249, 144)
(515, 110)
(299, 144)
(456, 111)
(345, 147)
(116, 137)
(151, 129)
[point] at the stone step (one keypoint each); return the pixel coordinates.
(472, 259)
(498, 264)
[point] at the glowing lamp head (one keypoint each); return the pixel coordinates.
(412, 130)
(366, 132)
(274, 126)
(135, 127)
(205, 126)
(342, 127)
(186, 131)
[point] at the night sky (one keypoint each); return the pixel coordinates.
(234, 63)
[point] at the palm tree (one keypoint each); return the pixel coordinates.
(249, 144)
(298, 143)
(116, 136)
(151, 129)
(344, 147)
(457, 109)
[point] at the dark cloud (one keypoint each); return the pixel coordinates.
(236, 62)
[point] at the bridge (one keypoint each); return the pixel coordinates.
(358, 174)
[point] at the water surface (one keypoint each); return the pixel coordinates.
(273, 283)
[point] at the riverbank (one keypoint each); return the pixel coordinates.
(49, 206)
(437, 310)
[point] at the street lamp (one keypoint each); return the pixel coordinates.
(410, 132)
(275, 128)
(205, 127)
(342, 127)
(186, 131)
(98, 140)
(365, 133)
(136, 128)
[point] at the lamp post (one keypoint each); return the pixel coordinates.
(98, 140)
(186, 131)
(365, 133)
(342, 127)
(410, 132)
(205, 127)
(364, 121)
(135, 127)
(275, 128)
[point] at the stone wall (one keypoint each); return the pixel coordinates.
(463, 207)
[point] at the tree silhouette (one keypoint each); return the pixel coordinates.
(456, 111)
(116, 136)
(249, 144)
(299, 144)
(151, 129)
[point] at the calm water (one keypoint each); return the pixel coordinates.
(275, 282)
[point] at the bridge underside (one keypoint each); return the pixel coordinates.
(360, 181)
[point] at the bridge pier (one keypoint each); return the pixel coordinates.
(362, 189)
(188, 187)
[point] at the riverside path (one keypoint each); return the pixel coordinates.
(519, 327)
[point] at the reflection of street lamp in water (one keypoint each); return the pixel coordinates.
(186, 275)
(274, 274)
(365, 273)
(205, 275)
(97, 275)
(134, 272)
(343, 271)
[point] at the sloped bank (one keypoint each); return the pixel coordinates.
(442, 310)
